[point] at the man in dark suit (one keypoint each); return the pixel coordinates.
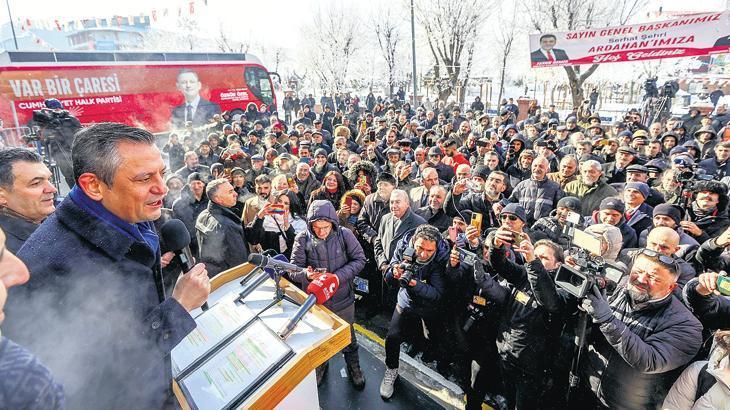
(195, 109)
(393, 226)
(546, 52)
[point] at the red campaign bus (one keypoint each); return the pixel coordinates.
(155, 91)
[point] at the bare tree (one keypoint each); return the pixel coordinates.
(190, 28)
(452, 28)
(228, 45)
(571, 15)
(330, 44)
(504, 38)
(385, 26)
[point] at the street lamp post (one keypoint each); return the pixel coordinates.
(12, 26)
(413, 53)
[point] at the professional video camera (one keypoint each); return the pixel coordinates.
(650, 88)
(56, 130)
(689, 173)
(409, 267)
(47, 117)
(590, 269)
(669, 89)
(476, 309)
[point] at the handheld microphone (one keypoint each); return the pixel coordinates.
(320, 290)
(267, 262)
(177, 238)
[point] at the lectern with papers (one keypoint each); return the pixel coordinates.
(234, 358)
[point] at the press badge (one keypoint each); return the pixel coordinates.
(522, 297)
(478, 300)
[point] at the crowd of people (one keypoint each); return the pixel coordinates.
(454, 224)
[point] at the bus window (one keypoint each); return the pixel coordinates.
(259, 84)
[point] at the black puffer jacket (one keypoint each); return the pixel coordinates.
(630, 358)
(340, 253)
(526, 329)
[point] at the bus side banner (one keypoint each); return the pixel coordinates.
(694, 35)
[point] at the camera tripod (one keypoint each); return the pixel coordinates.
(43, 148)
(579, 340)
(655, 108)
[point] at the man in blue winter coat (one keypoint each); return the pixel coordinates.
(418, 298)
(327, 245)
(95, 309)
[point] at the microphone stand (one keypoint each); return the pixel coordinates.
(279, 294)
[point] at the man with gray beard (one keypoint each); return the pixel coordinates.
(590, 188)
(640, 334)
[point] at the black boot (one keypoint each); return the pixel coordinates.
(354, 373)
(321, 372)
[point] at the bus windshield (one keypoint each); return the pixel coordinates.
(259, 83)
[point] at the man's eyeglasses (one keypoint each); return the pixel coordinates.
(663, 259)
(508, 216)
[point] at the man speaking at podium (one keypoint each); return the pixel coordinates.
(95, 309)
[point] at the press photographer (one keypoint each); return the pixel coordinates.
(417, 267)
(57, 129)
(638, 337)
(525, 327)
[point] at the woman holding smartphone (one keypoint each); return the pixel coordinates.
(272, 228)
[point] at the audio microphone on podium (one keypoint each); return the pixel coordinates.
(265, 262)
(320, 290)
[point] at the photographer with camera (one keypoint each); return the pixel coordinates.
(417, 267)
(525, 327)
(638, 336)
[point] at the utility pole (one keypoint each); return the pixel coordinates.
(413, 55)
(12, 26)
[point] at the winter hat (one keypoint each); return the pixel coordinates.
(679, 149)
(196, 176)
(569, 202)
(435, 151)
(464, 215)
(53, 104)
(612, 203)
(611, 235)
(356, 195)
(237, 170)
(516, 210)
(320, 151)
(170, 177)
(481, 171)
(385, 177)
(639, 186)
(672, 211)
(656, 165)
(637, 168)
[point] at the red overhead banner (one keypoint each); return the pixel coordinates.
(695, 35)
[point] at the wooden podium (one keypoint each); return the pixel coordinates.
(318, 337)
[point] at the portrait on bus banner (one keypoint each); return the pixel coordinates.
(694, 35)
(194, 107)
